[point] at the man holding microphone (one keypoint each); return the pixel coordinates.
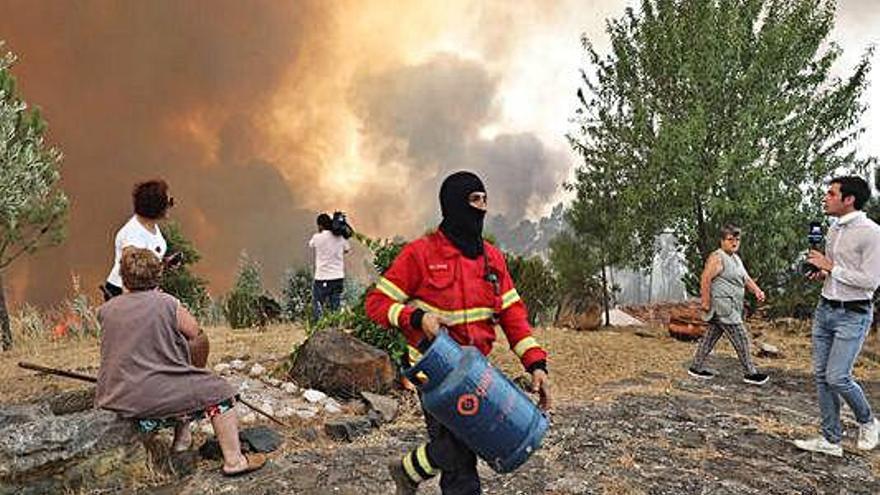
(851, 272)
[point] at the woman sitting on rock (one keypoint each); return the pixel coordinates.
(149, 346)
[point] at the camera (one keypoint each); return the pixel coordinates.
(816, 240)
(340, 225)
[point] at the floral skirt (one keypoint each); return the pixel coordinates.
(151, 425)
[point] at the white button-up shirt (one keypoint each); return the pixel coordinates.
(854, 249)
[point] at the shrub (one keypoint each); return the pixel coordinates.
(192, 291)
(242, 305)
(296, 295)
(537, 286)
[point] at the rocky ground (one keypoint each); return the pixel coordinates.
(718, 437)
(628, 420)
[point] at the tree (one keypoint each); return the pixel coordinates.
(296, 294)
(242, 306)
(179, 281)
(536, 284)
(33, 209)
(713, 111)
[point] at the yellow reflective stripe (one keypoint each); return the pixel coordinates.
(422, 459)
(389, 289)
(410, 469)
(459, 316)
(394, 314)
(414, 354)
(509, 298)
(524, 345)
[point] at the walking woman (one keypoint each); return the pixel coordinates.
(722, 291)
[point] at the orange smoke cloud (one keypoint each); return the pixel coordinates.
(262, 113)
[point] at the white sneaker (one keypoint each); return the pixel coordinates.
(869, 434)
(820, 445)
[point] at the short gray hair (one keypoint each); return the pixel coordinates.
(729, 230)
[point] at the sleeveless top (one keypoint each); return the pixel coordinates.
(728, 290)
(146, 370)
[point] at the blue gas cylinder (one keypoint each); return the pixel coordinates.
(478, 403)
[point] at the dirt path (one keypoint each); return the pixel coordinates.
(721, 437)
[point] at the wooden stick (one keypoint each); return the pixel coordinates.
(91, 379)
(53, 371)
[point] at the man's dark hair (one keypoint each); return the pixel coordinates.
(729, 229)
(325, 222)
(854, 186)
(151, 199)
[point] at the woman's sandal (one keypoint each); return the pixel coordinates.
(254, 463)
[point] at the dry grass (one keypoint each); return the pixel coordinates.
(580, 362)
(82, 353)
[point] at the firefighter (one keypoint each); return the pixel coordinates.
(452, 278)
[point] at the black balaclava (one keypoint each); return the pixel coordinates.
(462, 223)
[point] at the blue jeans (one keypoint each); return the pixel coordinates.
(838, 335)
(326, 295)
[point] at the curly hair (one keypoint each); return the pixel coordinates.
(140, 269)
(150, 199)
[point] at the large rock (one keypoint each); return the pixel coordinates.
(579, 314)
(339, 364)
(44, 453)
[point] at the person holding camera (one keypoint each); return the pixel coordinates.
(850, 268)
(151, 202)
(330, 245)
(722, 291)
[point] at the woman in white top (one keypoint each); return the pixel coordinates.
(329, 267)
(151, 202)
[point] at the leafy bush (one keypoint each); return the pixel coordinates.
(384, 250)
(178, 281)
(537, 286)
(296, 295)
(242, 305)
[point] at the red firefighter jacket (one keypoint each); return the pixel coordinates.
(431, 274)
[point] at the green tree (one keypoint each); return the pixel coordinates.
(242, 307)
(296, 294)
(33, 209)
(536, 284)
(179, 281)
(711, 111)
(577, 268)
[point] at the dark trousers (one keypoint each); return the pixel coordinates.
(326, 296)
(456, 462)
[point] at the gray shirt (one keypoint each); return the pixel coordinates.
(854, 248)
(728, 290)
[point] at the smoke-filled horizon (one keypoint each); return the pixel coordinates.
(262, 114)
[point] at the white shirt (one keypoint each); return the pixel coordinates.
(328, 255)
(854, 249)
(133, 233)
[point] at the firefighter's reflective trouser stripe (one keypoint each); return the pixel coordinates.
(417, 465)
